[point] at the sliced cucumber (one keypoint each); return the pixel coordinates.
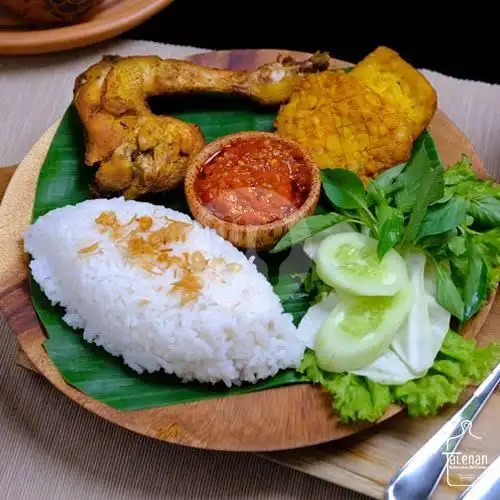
(360, 329)
(350, 261)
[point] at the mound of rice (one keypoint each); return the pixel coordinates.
(181, 299)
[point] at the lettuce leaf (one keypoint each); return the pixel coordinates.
(356, 398)
(474, 362)
(482, 196)
(459, 363)
(311, 371)
(425, 396)
(459, 172)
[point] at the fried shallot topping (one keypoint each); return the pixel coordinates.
(151, 250)
(90, 249)
(107, 220)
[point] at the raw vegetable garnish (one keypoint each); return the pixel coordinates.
(451, 215)
(448, 215)
(458, 364)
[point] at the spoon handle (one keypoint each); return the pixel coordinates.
(419, 477)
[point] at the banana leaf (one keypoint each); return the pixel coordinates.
(64, 180)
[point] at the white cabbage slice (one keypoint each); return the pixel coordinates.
(387, 369)
(315, 316)
(418, 340)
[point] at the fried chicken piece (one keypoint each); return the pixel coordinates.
(138, 152)
(366, 120)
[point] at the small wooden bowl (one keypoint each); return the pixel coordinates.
(259, 237)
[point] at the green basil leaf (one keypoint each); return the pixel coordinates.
(443, 217)
(459, 267)
(488, 244)
(456, 244)
(437, 244)
(391, 230)
(390, 180)
(422, 178)
(315, 286)
(476, 283)
(426, 193)
(344, 188)
(306, 228)
(448, 195)
(375, 193)
(486, 211)
(422, 184)
(469, 220)
(447, 294)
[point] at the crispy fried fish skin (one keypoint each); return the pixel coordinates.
(137, 152)
(366, 120)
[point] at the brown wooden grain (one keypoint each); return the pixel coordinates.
(111, 18)
(5, 175)
(275, 419)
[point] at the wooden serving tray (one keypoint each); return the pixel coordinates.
(363, 462)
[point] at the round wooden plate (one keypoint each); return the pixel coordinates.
(113, 18)
(275, 419)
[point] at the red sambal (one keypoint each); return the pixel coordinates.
(253, 181)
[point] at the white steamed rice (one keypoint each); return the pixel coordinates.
(235, 331)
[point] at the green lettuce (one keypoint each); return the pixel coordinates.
(482, 196)
(474, 362)
(459, 363)
(355, 398)
(459, 172)
(425, 396)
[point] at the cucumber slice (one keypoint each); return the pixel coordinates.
(350, 261)
(360, 329)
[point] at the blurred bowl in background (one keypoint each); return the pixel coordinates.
(80, 23)
(53, 12)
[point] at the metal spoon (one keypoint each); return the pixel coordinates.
(419, 477)
(486, 486)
